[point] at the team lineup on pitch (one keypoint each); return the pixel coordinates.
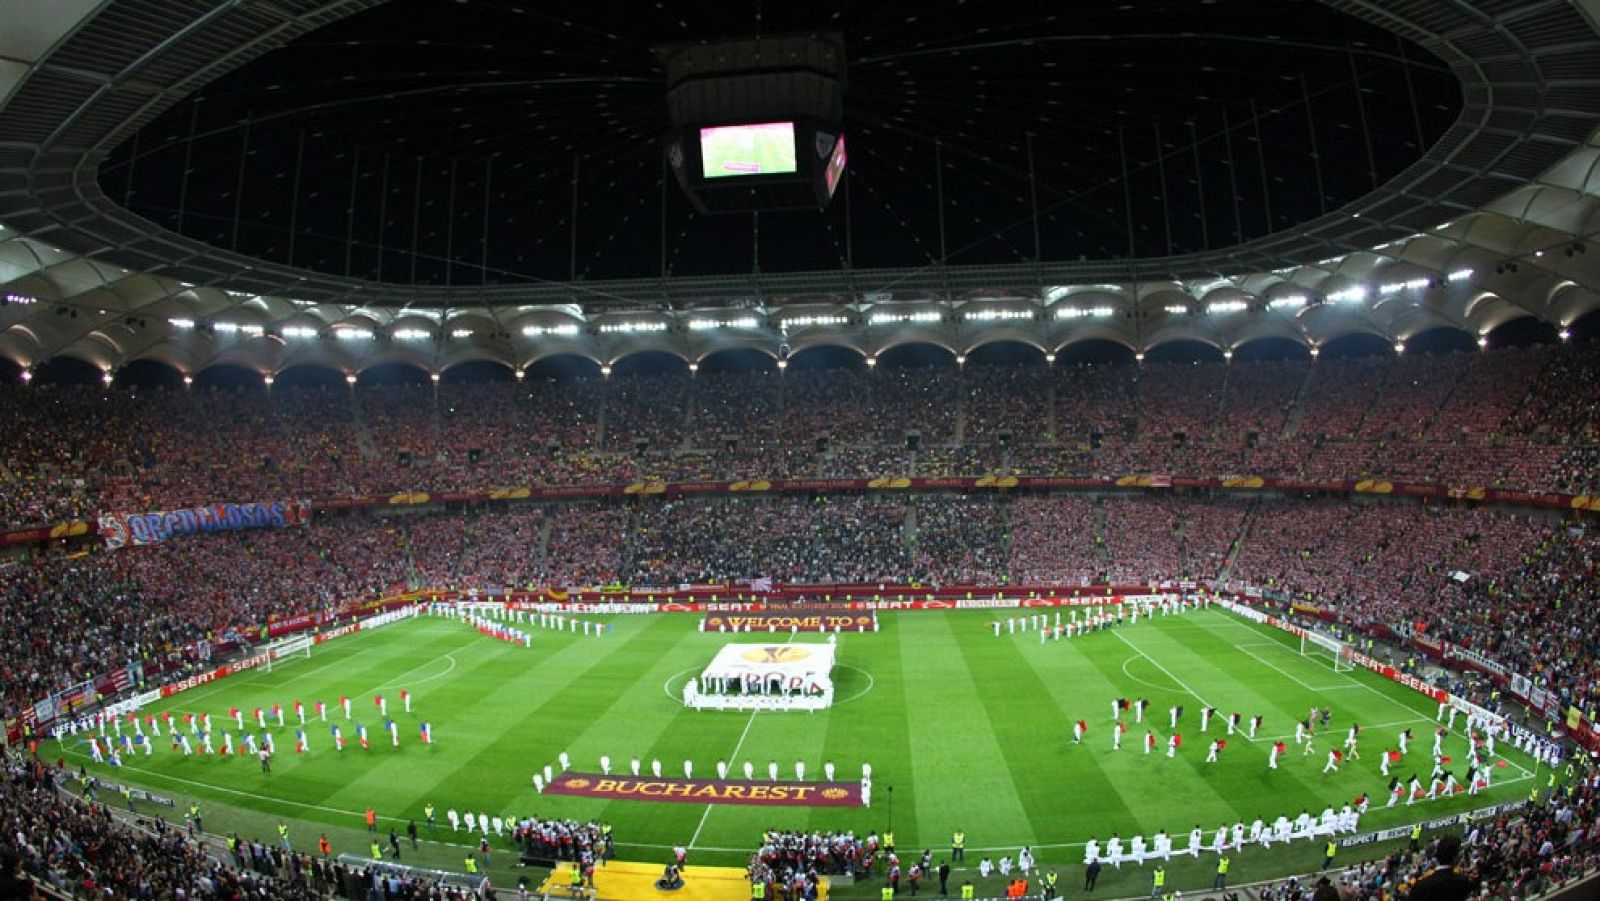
(961, 725)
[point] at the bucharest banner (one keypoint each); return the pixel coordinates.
(808, 621)
(707, 791)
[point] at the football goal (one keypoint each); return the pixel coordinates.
(286, 650)
(1323, 649)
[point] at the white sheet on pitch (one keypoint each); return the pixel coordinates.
(767, 676)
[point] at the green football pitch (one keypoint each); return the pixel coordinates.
(963, 729)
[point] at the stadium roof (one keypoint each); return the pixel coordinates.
(180, 180)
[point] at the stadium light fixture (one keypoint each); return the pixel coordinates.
(891, 318)
(1049, 358)
(20, 300)
(522, 374)
(1483, 341)
(961, 359)
(1288, 302)
(694, 367)
(1415, 284)
(625, 327)
(1399, 347)
(433, 377)
(412, 334)
(1226, 306)
(107, 377)
(605, 370)
(267, 378)
(1564, 335)
(27, 376)
(1349, 295)
(461, 333)
(997, 315)
(181, 323)
(226, 328)
(1176, 309)
(1082, 312)
(353, 334)
(1315, 350)
(872, 361)
(1460, 275)
(534, 331)
(702, 325)
(350, 379)
(254, 331)
(188, 380)
(809, 321)
(782, 365)
(299, 331)
(1227, 354)
(1139, 357)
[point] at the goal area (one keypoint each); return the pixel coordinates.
(1323, 649)
(279, 652)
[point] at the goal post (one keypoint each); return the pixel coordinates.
(1321, 648)
(287, 649)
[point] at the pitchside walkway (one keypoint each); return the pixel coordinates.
(620, 880)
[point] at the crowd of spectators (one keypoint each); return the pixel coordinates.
(790, 863)
(56, 834)
(1522, 854)
(1515, 585)
(75, 847)
(1521, 418)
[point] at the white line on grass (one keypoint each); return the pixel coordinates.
(302, 804)
(376, 688)
(1145, 682)
(1349, 677)
(1419, 719)
(1179, 682)
(1285, 673)
(355, 813)
(731, 759)
(1360, 683)
(434, 678)
(734, 756)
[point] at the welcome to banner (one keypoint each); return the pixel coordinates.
(123, 529)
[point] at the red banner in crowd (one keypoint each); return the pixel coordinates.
(707, 791)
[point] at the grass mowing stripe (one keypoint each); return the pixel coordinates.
(968, 740)
(733, 757)
(1047, 687)
(1180, 683)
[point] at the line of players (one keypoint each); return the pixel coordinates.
(1442, 782)
(109, 745)
(1331, 822)
(1478, 775)
(1236, 725)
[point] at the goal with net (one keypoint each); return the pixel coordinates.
(286, 650)
(1324, 649)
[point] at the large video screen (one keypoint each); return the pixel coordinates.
(765, 148)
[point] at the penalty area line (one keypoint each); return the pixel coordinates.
(1179, 682)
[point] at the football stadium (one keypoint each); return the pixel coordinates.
(478, 448)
